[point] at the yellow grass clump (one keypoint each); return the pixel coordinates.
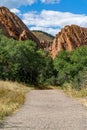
(81, 95)
(12, 95)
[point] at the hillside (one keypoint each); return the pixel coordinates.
(22, 61)
(69, 38)
(43, 35)
(44, 38)
(13, 27)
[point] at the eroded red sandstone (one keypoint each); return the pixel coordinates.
(69, 38)
(13, 26)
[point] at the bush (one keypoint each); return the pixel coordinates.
(71, 67)
(22, 61)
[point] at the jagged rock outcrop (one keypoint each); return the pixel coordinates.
(14, 28)
(69, 38)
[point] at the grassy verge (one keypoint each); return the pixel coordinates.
(73, 92)
(12, 95)
(81, 95)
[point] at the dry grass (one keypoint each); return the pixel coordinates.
(43, 36)
(81, 95)
(12, 95)
(75, 93)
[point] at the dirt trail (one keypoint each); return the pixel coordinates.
(48, 110)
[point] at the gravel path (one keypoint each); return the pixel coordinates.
(48, 110)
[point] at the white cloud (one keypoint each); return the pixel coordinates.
(52, 21)
(16, 3)
(45, 29)
(16, 11)
(50, 1)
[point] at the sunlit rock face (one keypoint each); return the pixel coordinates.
(13, 26)
(69, 38)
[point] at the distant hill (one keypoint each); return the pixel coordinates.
(42, 36)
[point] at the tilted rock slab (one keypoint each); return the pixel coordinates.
(69, 38)
(13, 26)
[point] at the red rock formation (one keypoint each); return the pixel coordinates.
(13, 27)
(69, 38)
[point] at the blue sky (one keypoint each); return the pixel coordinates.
(49, 15)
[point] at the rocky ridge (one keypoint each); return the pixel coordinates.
(69, 38)
(14, 28)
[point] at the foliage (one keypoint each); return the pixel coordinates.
(71, 67)
(22, 61)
